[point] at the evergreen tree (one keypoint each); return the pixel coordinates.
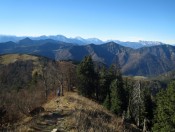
(115, 92)
(128, 86)
(149, 106)
(116, 101)
(112, 73)
(165, 110)
(103, 87)
(86, 77)
(107, 102)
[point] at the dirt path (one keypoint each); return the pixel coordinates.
(54, 116)
(71, 113)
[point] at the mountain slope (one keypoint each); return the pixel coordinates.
(150, 60)
(44, 48)
(72, 112)
(146, 61)
(139, 44)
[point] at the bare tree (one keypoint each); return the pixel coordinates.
(68, 71)
(58, 76)
(49, 76)
(136, 103)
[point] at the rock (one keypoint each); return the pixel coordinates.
(55, 130)
(36, 111)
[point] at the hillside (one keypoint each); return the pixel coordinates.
(28, 81)
(19, 70)
(147, 61)
(72, 112)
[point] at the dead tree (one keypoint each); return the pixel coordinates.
(136, 104)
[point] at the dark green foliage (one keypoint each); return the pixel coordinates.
(107, 102)
(104, 84)
(149, 107)
(103, 88)
(165, 110)
(86, 77)
(116, 101)
(110, 89)
(115, 92)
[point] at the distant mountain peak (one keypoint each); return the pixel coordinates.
(80, 41)
(27, 38)
(111, 43)
(151, 43)
(26, 41)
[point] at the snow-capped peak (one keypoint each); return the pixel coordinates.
(150, 43)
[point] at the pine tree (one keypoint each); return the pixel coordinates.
(115, 92)
(87, 77)
(107, 102)
(164, 120)
(104, 84)
(116, 102)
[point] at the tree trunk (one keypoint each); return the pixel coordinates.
(62, 92)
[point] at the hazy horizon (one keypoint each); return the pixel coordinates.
(124, 20)
(69, 37)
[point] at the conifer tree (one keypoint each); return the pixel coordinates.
(86, 77)
(103, 84)
(116, 101)
(115, 93)
(164, 120)
(107, 102)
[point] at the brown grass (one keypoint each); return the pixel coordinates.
(70, 112)
(73, 113)
(19, 104)
(11, 58)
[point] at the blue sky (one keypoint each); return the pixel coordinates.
(126, 20)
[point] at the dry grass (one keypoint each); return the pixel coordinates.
(88, 116)
(18, 105)
(73, 113)
(11, 58)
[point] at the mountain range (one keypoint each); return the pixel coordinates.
(145, 61)
(81, 41)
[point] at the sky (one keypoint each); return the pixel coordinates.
(125, 20)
